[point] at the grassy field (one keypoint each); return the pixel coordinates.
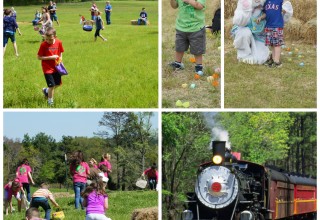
(258, 86)
(204, 95)
(121, 204)
(119, 73)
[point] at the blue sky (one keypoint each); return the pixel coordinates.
(56, 124)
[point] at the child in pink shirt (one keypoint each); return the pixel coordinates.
(95, 199)
(12, 188)
(152, 175)
(79, 171)
(23, 173)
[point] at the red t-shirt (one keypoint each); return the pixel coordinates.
(48, 66)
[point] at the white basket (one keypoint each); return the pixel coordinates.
(141, 183)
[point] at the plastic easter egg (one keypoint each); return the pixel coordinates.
(192, 60)
(209, 79)
(215, 76)
(179, 103)
(301, 64)
(217, 70)
(192, 86)
(283, 46)
(219, 48)
(200, 73)
(184, 85)
(296, 49)
(215, 83)
(290, 53)
(290, 59)
(196, 76)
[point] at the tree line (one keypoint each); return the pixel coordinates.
(45, 2)
(285, 140)
(128, 137)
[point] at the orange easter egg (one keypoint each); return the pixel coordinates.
(196, 76)
(215, 76)
(215, 83)
(192, 60)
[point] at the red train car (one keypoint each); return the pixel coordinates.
(231, 189)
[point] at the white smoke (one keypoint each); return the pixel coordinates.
(221, 135)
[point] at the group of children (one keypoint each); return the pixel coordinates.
(93, 197)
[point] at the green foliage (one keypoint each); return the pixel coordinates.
(185, 140)
(259, 136)
(112, 74)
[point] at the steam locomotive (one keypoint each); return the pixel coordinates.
(230, 189)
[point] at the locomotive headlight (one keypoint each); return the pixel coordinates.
(217, 159)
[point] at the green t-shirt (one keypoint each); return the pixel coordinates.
(190, 19)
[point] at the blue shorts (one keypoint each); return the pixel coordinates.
(54, 17)
(8, 35)
(274, 37)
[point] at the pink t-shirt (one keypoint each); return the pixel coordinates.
(80, 173)
(9, 192)
(23, 171)
(106, 163)
(95, 203)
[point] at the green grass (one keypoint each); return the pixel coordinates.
(258, 86)
(121, 204)
(119, 73)
(172, 89)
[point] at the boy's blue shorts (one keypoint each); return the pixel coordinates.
(8, 35)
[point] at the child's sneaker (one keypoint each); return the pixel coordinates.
(50, 103)
(268, 62)
(176, 66)
(45, 92)
(276, 65)
(199, 69)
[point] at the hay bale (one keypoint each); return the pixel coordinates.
(216, 5)
(304, 10)
(309, 31)
(135, 22)
(229, 8)
(228, 24)
(145, 214)
(292, 29)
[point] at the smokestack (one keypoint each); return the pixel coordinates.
(219, 148)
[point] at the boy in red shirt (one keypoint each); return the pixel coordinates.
(49, 53)
(152, 175)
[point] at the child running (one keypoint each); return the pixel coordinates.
(12, 188)
(190, 31)
(40, 198)
(272, 12)
(49, 52)
(99, 26)
(95, 199)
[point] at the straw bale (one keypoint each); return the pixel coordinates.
(229, 8)
(145, 214)
(309, 31)
(292, 29)
(228, 23)
(216, 5)
(304, 10)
